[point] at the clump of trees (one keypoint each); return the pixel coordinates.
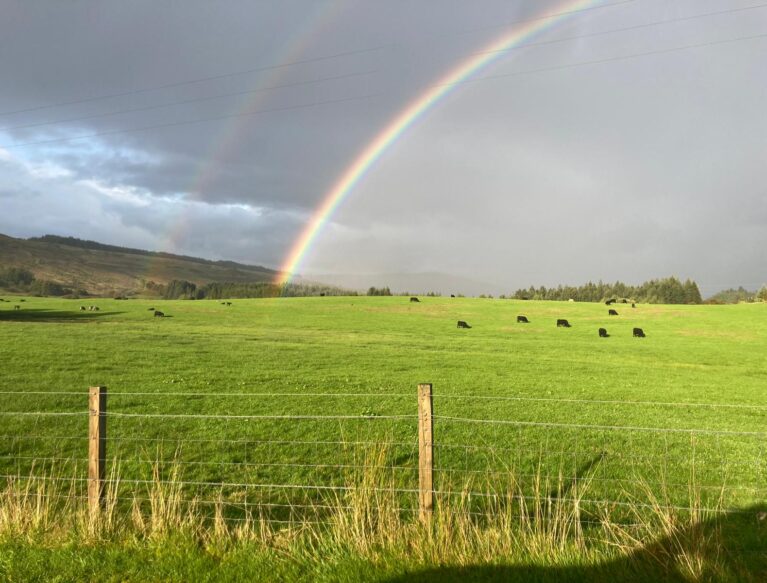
(669, 290)
(732, 296)
(18, 279)
(187, 290)
(379, 291)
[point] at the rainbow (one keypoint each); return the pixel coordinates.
(398, 125)
(316, 19)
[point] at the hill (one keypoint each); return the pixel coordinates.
(101, 269)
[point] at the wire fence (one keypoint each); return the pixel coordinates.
(293, 456)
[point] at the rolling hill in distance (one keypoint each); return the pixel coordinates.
(103, 269)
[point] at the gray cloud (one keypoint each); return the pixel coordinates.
(626, 169)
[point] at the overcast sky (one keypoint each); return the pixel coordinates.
(588, 166)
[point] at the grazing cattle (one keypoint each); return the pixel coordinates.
(522, 320)
(571, 300)
(414, 300)
(322, 295)
(150, 309)
(452, 295)
(612, 313)
(638, 333)
(563, 323)
(609, 302)
(228, 303)
(16, 307)
(82, 308)
(462, 324)
(624, 301)
(158, 314)
(633, 305)
(603, 333)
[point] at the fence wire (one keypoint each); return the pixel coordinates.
(297, 460)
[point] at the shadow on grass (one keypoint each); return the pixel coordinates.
(43, 315)
(732, 547)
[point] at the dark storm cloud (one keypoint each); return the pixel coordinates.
(624, 169)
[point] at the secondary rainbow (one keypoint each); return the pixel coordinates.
(315, 21)
(406, 117)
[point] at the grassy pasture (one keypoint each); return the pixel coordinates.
(703, 367)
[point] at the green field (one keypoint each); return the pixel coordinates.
(598, 417)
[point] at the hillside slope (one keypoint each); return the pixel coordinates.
(105, 269)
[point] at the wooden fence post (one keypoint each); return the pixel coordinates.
(97, 447)
(425, 453)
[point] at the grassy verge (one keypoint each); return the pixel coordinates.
(365, 536)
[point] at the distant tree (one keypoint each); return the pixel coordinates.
(762, 294)
(667, 291)
(179, 289)
(42, 287)
(732, 296)
(16, 277)
(375, 291)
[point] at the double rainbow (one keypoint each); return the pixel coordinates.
(406, 117)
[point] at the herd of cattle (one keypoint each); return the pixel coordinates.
(563, 323)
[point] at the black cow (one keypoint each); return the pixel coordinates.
(612, 312)
(158, 314)
(414, 300)
(633, 305)
(563, 323)
(522, 320)
(462, 324)
(82, 308)
(452, 295)
(603, 333)
(624, 301)
(150, 309)
(609, 302)
(638, 333)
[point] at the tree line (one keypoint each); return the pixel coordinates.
(182, 289)
(669, 290)
(734, 296)
(20, 280)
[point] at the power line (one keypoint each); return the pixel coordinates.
(609, 59)
(356, 98)
(191, 122)
(350, 75)
(194, 81)
(628, 28)
(187, 101)
(289, 64)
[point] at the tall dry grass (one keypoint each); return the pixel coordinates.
(542, 523)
